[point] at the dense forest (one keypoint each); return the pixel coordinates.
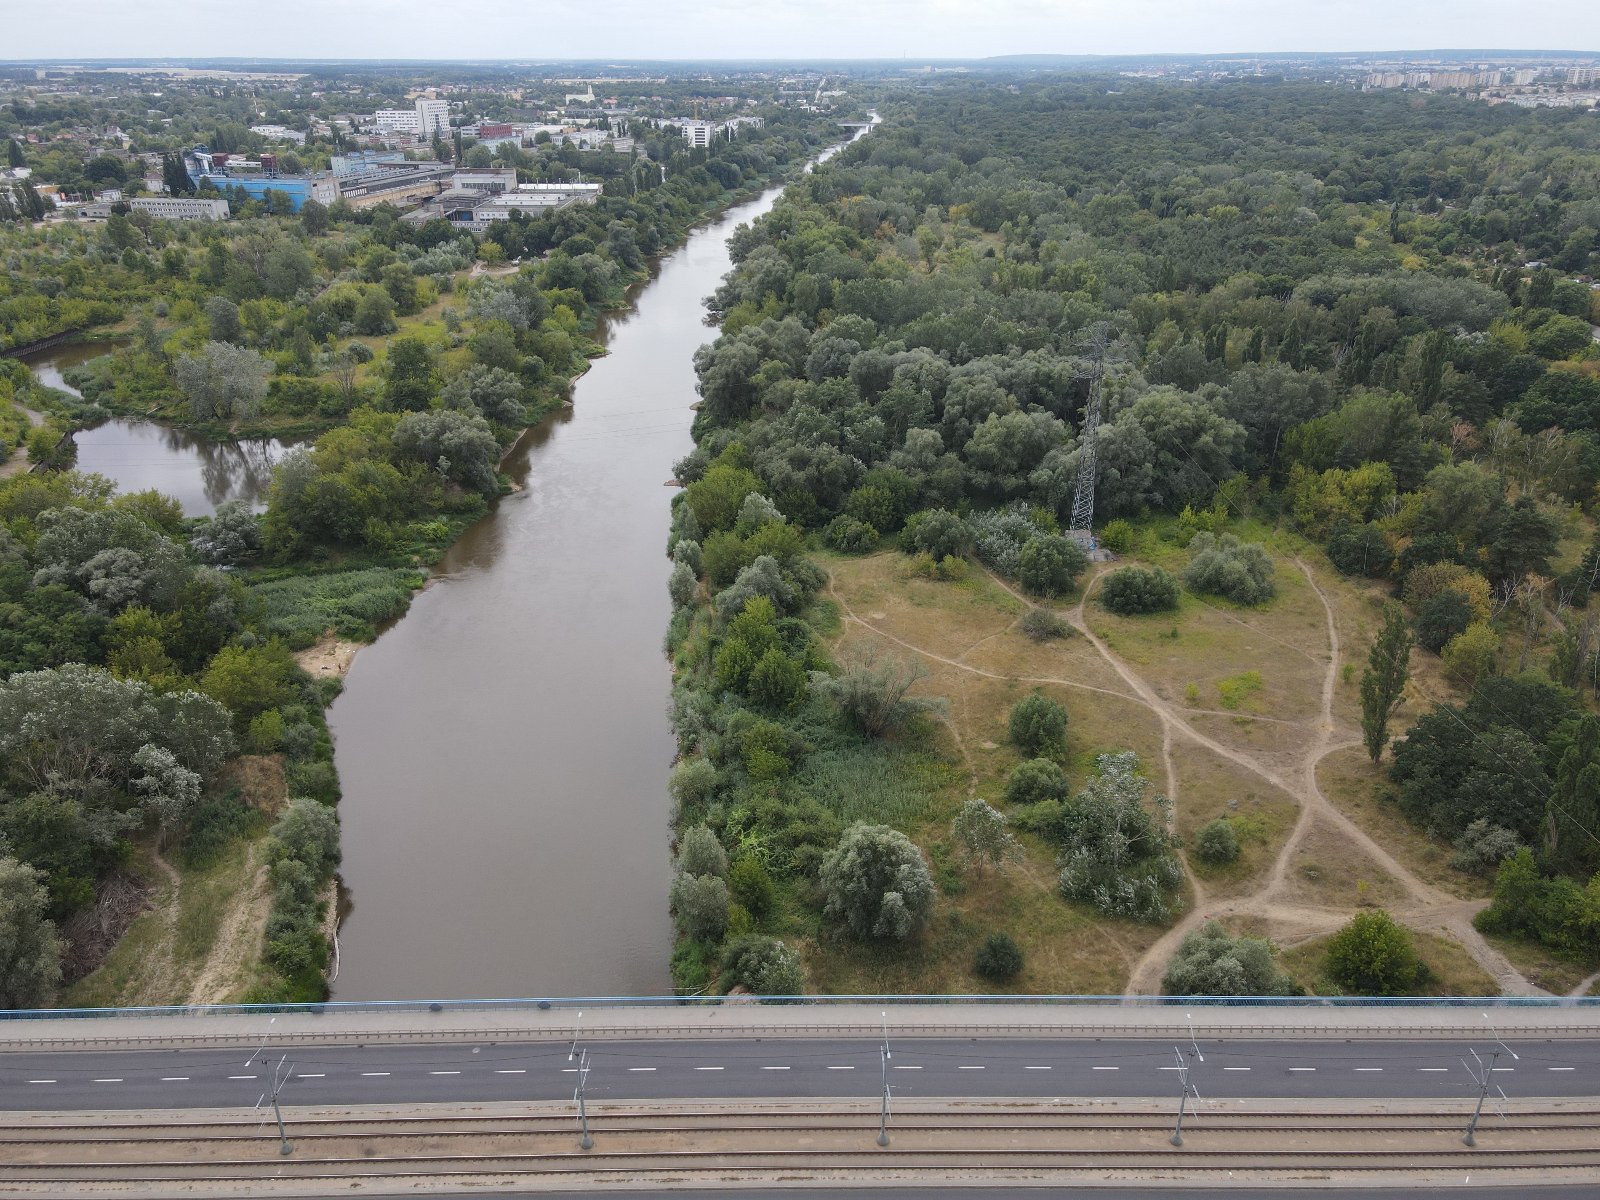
(1363, 319)
(145, 659)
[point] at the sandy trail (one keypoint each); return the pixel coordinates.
(1423, 904)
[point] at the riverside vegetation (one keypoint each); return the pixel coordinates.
(1337, 397)
(152, 705)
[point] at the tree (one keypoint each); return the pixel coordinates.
(1210, 963)
(1217, 843)
(308, 832)
(1050, 564)
(1038, 726)
(1035, 781)
(1132, 591)
(223, 382)
(1470, 657)
(1443, 617)
(458, 445)
(700, 853)
(1226, 566)
(1373, 956)
(982, 837)
(1384, 681)
(314, 217)
(700, 906)
(30, 950)
(494, 392)
(222, 319)
(410, 378)
(1572, 813)
(999, 959)
(1116, 855)
(876, 883)
(230, 537)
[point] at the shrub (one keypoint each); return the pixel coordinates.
(876, 883)
(1050, 564)
(765, 966)
(1426, 581)
(1225, 566)
(999, 959)
(1481, 847)
(700, 853)
(850, 536)
(1374, 956)
(1210, 963)
(1131, 591)
(1217, 843)
(350, 603)
(1040, 625)
(752, 886)
(1118, 536)
(1470, 656)
(1038, 726)
(872, 693)
(1116, 853)
(1360, 550)
(1036, 780)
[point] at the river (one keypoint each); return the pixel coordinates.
(196, 471)
(504, 747)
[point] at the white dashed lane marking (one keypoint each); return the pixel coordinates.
(774, 1068)
(511, 1070)
(308, 1075)
(1105, 1068)
(444, 1072)
(374, 1074)
(108, 1081)
(641, 1068)
(174, 1079)
(41, 1081)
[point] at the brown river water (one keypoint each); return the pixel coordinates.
(504, 747)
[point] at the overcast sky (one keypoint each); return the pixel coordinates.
(776, 28)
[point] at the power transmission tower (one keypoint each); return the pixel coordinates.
(1096, 347)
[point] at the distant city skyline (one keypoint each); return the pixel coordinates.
(795, 29)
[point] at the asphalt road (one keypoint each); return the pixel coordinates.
(1585, 1191)
(787, 1068)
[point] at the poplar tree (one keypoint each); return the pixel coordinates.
(1383, 682)
(1572, 811)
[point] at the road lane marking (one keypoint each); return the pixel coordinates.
(774, 1068)
(511, 1070)
(374, 1073)
(308, 1075)
(444, 1072)
(1105, 1068)
(108, 1081)
(174, 1079)
(1235, 1068)
(969, 1068)
(1169, 1068)
(641, 1068)
(1433, 1068)
(1369, 1068)
(1035, 1068)
(241, 1076)
(1302, 1068)
(708, 1068)
(1502, 1068)
(1561, 1068)
(41, 1081)
(852, 1068)
(896, 1068)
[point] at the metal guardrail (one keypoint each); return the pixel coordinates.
(540, 1004)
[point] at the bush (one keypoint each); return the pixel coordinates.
(700, 853)
(1470, 656)
(1116, 854)
(1210, 963)
(1360, 550)
(1040, 625)
(752, 887)
(872, 693)
(1481, 847)
(1118, 536)
(999, 959)
(850, 536)
(1225, 566)
(1050, 565)
(1036, 780)
(1217, 843)
(350, 603)
(1374, 956)
(876, 883)
(765, 966)
(1132, 591)
(1038, 726)
(692, 782)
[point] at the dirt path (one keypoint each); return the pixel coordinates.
(18, 462)
(238, 942)
(1422, 904)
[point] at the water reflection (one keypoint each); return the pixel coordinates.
(139, 455)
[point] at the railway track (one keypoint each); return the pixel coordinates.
(1534, 1143)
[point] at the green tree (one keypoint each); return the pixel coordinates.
(1038, 726)
(700, 853)
(410, 379)
(700, 906)
(764, 966)
(1131, 591)
(982, 837)
(1572, 812)
(1383, 683)
(30, 951)
(1373, 955)
(876, 883)
(1217, 843)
